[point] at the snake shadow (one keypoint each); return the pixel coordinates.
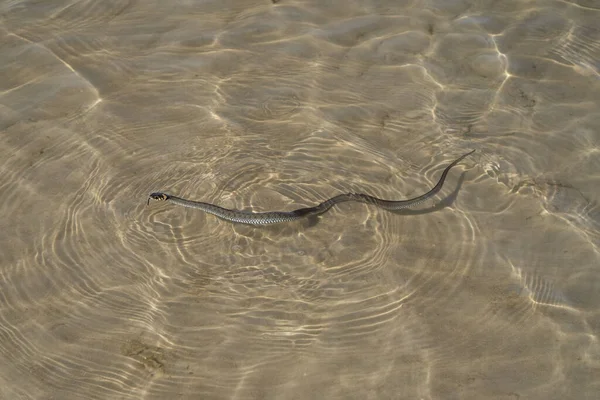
(440, 205)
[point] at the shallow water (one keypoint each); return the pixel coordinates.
(490, 291)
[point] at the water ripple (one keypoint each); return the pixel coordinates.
(280, 105)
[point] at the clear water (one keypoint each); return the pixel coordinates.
(491, 291)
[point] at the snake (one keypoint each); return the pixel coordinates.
(275, 217)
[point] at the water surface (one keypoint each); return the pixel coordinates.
(490, 291)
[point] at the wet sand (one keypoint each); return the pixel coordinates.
(490, 291)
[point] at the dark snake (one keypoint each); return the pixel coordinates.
(274, 217)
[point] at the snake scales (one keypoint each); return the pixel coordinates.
(274, 217)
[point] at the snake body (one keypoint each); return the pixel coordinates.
(275, 217)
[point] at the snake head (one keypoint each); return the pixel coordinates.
(158, 196)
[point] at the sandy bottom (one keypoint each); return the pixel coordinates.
(489, 291)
